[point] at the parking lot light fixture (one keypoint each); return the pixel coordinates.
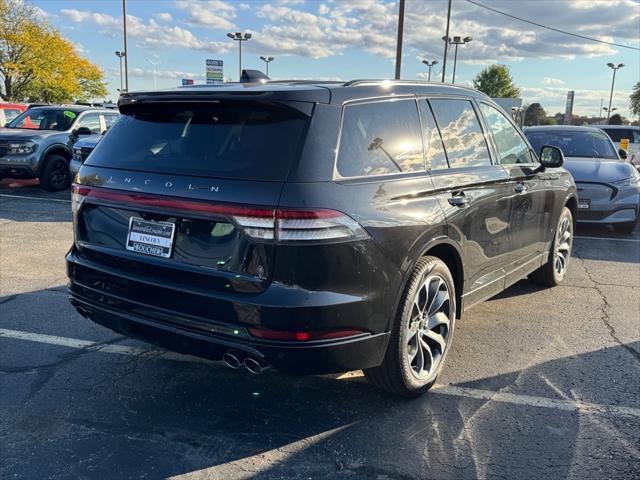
(267, 61)
(457, 40)
(120, 55)
(613, 81)
(239, 37)
(430, 65)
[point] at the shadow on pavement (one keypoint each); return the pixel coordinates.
(110, 416)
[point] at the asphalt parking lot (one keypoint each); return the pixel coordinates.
(541, 383)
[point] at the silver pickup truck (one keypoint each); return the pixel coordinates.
(39, 142)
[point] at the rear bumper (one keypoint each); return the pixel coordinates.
(210, 338)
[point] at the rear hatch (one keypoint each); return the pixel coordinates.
(186, 192)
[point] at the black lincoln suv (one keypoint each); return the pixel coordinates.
(315, 227)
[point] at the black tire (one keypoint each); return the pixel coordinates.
(549, 274)
(626, 227)
(55, 174)
(397, 373)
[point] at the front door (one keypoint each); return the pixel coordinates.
(531, 191)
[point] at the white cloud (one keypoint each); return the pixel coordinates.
(212, 13)
(147, 35)
(172, 74)
(550, 81)
(163, 17)
(586, 101)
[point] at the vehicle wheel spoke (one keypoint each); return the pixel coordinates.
(436, 337)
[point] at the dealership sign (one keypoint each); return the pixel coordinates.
(214, 71)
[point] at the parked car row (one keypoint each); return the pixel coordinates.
(39, 141)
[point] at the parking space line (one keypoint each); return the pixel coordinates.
(451, 390)
(42, 199)
(635, 240)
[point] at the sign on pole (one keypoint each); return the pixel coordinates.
(569, 108)
(214, 71)
(187, 81)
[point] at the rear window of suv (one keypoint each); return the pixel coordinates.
(237, 140)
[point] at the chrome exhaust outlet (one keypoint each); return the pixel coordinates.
(232, 361)
(255, 365)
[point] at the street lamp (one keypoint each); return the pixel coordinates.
(614, 68)
(267, 60)
(609, 110)
(239, 37)
(154, 71)
(430, 65)
(456, 41)
(120, 55)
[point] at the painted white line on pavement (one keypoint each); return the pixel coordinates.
(42, 199)
(635, 240)
(478, 394)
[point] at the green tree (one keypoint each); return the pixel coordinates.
(615, 119)
(496, 81)
(535, 115)
(635, 100)
(38, 64)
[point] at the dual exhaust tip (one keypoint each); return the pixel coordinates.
(254, 365)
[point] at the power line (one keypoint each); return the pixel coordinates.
(552, 28)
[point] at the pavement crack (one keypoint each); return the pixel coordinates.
(604, 309)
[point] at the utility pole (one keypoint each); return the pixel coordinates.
(446, 43)
(399, 39)
(126, 50)
(614, 67)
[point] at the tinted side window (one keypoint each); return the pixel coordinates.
(511, 147)
(380, 138)
(461, 132)
(434, 149)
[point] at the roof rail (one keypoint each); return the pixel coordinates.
(353, 83)
(308, 82)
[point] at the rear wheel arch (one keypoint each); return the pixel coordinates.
(452, 258)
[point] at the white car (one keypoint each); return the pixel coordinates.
(619, 132)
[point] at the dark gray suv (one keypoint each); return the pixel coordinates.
(38, 143)
(313, 227)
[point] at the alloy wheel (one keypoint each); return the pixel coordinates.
(429, 329)
(59, 174)
(562, 247)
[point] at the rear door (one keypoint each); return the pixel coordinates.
(531, 191)
(202, 179)
(474, 195)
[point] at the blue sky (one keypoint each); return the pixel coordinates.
(334, 39)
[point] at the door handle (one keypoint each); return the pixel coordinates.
(458, 200)
(519, 188)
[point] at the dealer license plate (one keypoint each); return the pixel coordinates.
(150, 238)
(584, 204)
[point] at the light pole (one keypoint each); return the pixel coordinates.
(120, 55)
(609, 111)
(399, 39)
(446, 43)
(154, 71)
(430, 65)
(239, 37)
(614, 67)
(267, 60)
(126, 50)
(456, 41)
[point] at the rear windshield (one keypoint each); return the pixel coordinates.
(239, 140)
(590, 144)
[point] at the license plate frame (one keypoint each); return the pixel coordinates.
(150, 237)
(584, 204)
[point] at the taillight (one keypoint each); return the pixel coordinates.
(283, 225)
(269, 334)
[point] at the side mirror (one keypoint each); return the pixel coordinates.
(551, 157)
(82, 131)
(623, 153)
